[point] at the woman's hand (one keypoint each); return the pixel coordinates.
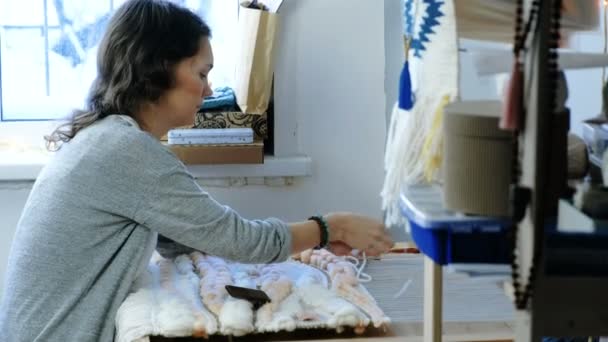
(350, 231)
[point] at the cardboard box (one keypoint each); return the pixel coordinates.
(220, 154)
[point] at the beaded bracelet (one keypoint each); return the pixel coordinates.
(324, 230)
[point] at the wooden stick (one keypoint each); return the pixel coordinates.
(433, 291)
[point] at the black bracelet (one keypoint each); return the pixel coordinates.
(324, 228)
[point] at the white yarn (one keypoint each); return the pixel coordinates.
(362, 277)
(434, 76)
(403, 162)
(166, 301)
(236, 317)
(404, 288)
(334, 310)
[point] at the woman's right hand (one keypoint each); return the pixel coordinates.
(349, 231)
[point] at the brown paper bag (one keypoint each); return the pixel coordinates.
(255, 59)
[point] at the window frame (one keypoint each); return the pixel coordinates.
(46, 27)
(286, 160)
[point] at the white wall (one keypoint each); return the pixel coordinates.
(393, 49)
(331, 80)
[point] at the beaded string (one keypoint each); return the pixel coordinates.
(522, 296)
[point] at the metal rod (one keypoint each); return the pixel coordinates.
(9, 27)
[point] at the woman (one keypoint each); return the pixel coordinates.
(92, 218)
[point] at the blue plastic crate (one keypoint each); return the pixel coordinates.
(448, 237)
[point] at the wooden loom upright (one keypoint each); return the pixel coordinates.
(561, 304)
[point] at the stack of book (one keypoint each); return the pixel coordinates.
(216, 145)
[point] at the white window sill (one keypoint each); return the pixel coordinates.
(294, 166)
(27, 166)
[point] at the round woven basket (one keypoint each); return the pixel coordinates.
(478, 157)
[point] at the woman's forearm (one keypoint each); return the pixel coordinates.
(304, 235)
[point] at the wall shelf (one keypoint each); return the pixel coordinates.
(497, 61)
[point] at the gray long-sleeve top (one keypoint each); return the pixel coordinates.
(88, 225)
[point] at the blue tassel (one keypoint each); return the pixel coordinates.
(406, 98)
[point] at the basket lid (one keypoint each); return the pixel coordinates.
(474, 118)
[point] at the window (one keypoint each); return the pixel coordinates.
(48, 51)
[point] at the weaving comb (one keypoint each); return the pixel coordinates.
(255, 297)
